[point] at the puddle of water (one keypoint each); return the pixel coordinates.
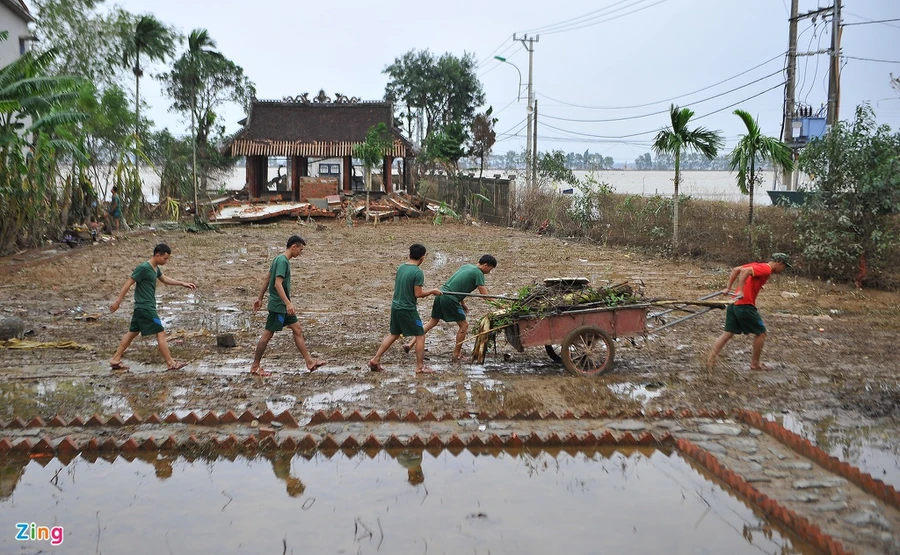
(286, 402)
(51, 396)
(642, 392)
(438, 260)
(412, 502)
(872, 449)
(325, 401)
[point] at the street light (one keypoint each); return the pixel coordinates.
(519, 90)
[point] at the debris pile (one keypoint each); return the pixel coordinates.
(553, 296)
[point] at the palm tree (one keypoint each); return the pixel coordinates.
(752, 148)
(200, 47)
(677, 138)
(154, 40)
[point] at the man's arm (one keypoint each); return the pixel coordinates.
(265, 285)
(482, 290)
(169, 281)
(420, 293)
(128, 283)
(739, 274)
(279, 287)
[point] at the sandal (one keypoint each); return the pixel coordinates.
(177, 366)
(117, 366)
(260, 372)
(407, 348)
(425, 370)
(376, 367)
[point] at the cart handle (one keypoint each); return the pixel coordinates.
(505, 298)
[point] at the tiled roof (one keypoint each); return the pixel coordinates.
(275, 128)
(19, 8)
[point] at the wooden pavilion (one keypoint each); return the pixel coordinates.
(301, 129)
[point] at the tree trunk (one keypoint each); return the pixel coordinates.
(751, 186)
(675, 203)
(194, 153)
(137, 112)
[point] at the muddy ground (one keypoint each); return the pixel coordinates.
(833, 349)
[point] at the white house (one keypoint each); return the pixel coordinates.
(14, 18)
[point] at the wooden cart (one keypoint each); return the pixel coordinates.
(586, 336)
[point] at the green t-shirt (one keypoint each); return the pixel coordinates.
(280, 268)
(465, 280)
(145, 289)
(408, 276)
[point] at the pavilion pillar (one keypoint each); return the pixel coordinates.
(346, 174)
(387, 174)
(257, 174)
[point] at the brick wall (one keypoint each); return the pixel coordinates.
(317, 187)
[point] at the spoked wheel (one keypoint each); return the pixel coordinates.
(553, 352)
(588, 351)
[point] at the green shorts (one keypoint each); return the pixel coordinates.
(743, 318)
(448, 309)
(278, 321)
(406, 322)
(146, 321)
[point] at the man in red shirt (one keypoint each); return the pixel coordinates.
(742, 316)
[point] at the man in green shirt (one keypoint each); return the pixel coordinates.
(452, 308)
(282, 313)
(405, 319)
(145, 320)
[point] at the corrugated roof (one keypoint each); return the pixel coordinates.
(275, 128)
(19, 8)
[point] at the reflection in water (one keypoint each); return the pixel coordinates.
(873, 449)
(627, 501)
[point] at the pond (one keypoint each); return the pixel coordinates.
(610, 501)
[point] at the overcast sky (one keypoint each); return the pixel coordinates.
(614, 60)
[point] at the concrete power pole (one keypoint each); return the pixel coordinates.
(534, 149)
(790, 88)
(834, 73)
(528, 152)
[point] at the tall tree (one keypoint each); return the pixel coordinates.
(753, 148)
(200, 82)
(483, 137)
(677, 138)
(447, 89)
(155, 41)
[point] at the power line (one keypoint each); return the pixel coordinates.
(665, 111)
(770, 60)
(867, 19)
(604, 20)
(657, 130)
(581, 18)
(871, 22)
(872, 60)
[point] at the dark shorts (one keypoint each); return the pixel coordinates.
(146, 321)
(448, 309)
(743, 318)
(278, 321)
(406, 322)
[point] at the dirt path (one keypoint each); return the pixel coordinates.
(835, 364)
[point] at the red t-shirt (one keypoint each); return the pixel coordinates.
(761, 273)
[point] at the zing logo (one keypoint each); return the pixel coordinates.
(32, 532)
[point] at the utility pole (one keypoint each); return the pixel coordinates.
(534, 149)
(528, 152)
(834, 74)
(790, 87)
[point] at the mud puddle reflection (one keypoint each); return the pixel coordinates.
(631, 501)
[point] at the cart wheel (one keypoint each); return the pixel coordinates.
(588, 351)
(553, 353)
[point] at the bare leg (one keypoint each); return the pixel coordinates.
(720, 343)
(164, 349)
(260, 349)
(375, 362)
(126, 341)
(412, 342)
(311, 363)
(420, 356)
(460, 338)
(758, 343)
